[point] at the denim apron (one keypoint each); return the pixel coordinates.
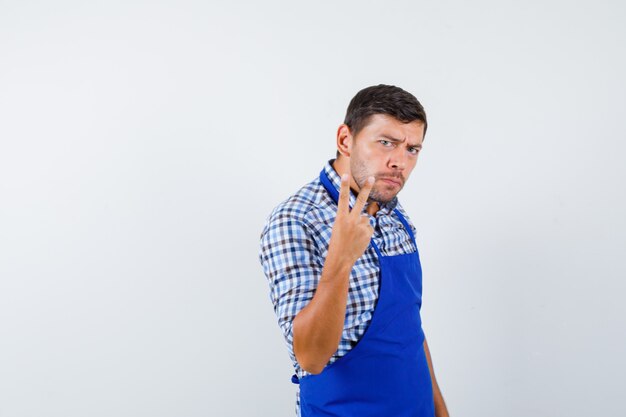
(386, 373)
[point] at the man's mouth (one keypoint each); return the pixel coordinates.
(392, 181)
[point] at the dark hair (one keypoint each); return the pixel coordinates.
(383, 99)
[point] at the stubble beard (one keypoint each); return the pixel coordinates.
(360, 174)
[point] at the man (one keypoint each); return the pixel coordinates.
(344, 271)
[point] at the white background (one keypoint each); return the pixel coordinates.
(143, 145)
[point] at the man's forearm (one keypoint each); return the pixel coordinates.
(318, 327)
(441, 410)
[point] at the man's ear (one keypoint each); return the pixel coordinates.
(344, 140)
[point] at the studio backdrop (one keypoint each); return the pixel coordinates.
(143, 145)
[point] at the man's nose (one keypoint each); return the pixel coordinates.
(398, 160)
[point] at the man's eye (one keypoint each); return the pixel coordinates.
(414, 151)
(385, 142)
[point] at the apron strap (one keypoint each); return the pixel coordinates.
(406, 225)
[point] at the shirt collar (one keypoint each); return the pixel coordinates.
(335, 179)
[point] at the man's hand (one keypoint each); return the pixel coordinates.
(352, 231)
(441, 410)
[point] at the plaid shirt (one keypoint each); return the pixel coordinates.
(294, 245)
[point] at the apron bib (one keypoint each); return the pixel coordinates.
(386, 373)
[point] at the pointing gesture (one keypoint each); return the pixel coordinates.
(352, 231)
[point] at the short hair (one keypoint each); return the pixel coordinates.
(383, 99)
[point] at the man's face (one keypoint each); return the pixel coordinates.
(386, 149)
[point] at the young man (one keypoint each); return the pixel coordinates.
(344, 271)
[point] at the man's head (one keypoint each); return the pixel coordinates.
(381, 136)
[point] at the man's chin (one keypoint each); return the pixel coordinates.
(382, 199)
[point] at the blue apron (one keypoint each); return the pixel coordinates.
(386, 373)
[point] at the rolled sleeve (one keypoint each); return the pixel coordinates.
(292, 265)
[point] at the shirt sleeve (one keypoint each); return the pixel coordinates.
(292, 265)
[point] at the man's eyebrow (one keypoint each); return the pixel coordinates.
(392, 139)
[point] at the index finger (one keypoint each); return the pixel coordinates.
(364, 193)
(343, 206)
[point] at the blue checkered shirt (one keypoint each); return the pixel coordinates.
(294, 245)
